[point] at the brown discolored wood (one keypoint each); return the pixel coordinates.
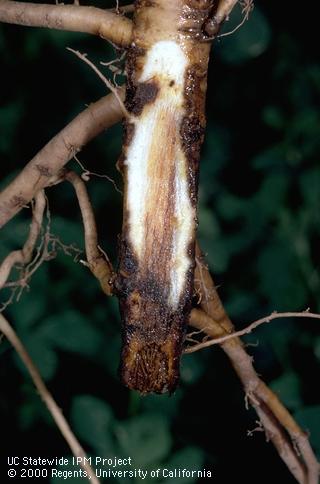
(145, 93)
(153, 329)
(160, 201)
(153, 333)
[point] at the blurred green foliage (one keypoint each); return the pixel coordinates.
(259, 224)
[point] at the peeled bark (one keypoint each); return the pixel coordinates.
(167, 79)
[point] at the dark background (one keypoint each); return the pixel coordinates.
(259, 224)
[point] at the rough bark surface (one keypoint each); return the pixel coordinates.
(167, 76)
(92, 20)
(49, 161)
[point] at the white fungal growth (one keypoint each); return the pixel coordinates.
(155, 150)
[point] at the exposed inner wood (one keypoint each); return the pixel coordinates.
(160, 221)
(160, 215)
(165, 98)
